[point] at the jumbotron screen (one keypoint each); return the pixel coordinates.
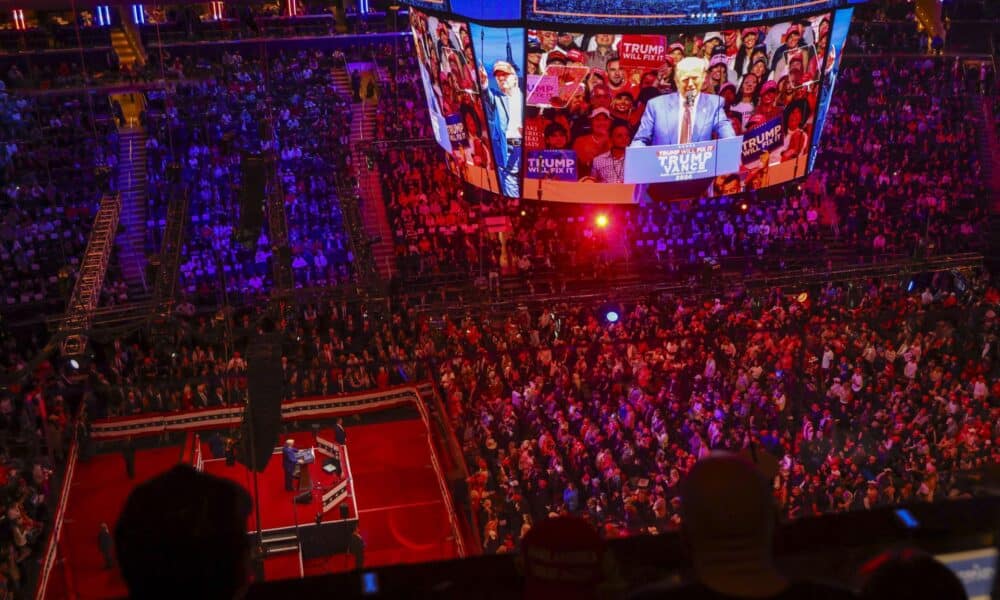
(623, 116)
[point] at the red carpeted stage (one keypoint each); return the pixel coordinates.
(277, 509)
(396, 491)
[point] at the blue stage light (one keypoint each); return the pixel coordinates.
(612, 316)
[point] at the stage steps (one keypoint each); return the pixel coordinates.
(132, 182)
(282, 540)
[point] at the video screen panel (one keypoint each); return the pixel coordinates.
(837, 34)
(487, 10)
(749, 98)
(454, 97)
(499, 52)
(673, 13)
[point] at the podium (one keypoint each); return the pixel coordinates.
(305, 480)
(305, 458)
(683, 162)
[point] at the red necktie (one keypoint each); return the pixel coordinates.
(686, 126)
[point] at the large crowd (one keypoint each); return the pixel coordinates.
(289, 110)
(865, 395)
(50, 149)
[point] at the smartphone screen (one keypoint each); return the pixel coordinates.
(907, 519)
(369, 583)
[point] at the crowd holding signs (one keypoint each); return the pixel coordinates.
(582, 87)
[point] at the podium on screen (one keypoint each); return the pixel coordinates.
(683, 162)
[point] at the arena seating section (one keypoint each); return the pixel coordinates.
(867, 393)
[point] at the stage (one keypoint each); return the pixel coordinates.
(277, 509)
(396, 493)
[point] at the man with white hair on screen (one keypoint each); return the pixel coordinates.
(504, 112)
(687, 115)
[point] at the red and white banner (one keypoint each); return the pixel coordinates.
(215, 418)
(646, 51)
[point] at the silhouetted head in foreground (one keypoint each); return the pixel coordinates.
(183, 534)
(909, 574)
(729, 518)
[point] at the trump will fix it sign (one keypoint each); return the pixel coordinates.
(646, 51)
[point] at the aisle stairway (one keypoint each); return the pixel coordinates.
(131, 240)
(342, 82)
(127, 56)
(928, 15)
(373, 212)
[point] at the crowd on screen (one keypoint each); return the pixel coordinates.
(762, 73)
(211, 125)
(865, 395)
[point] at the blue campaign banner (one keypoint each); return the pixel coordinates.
(552, 164)
(456, 129)
(683, 162)
(975, 568)
(761, 139)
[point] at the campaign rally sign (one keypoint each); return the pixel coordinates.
(976, 569)
(570, 81)
(646, 51)
(761, 139)
(552, 164)
(456, 129)
(682, 162)
(543, 89)
(534, 132)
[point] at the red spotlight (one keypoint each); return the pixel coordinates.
(601, 220)
(744, 206)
